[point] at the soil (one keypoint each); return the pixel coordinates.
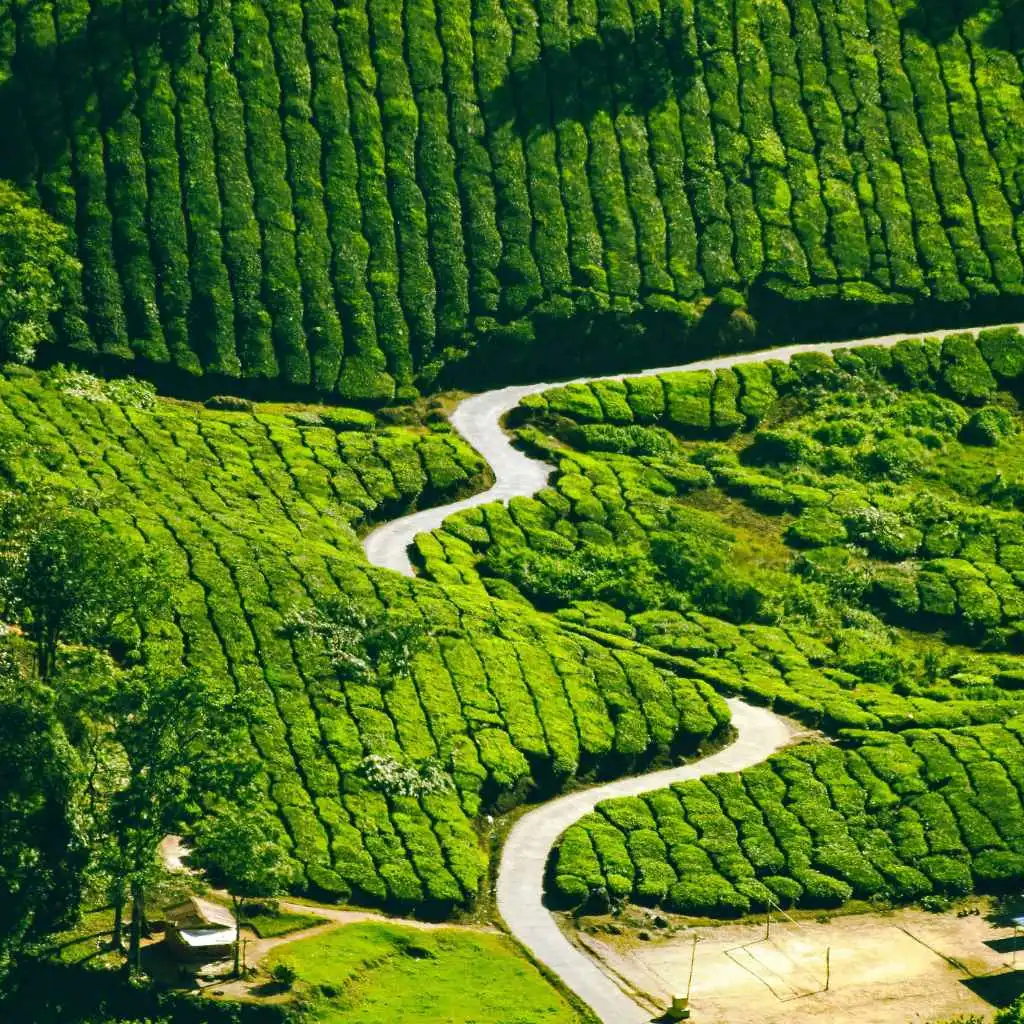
(908, 965)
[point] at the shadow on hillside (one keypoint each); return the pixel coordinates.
(938, 20)
(46, 992)
(64, 76)
(616, 71)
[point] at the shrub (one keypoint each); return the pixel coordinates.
(125, 391)
(964, 371)
(1003, 349)
(781, 447)
(229, 403)
(998, 869)
(989, 426)
(895, 459)
(883, 532)
(283, 975)
(822, 890)
(347, 419)
(787, 890)
(631, 440)
(816, 527)
(392, 777)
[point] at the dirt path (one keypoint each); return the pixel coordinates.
(524, 857)
(173, 852)
(521, 874)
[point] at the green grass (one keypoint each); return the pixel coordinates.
(268, 924)
(86, 943)
(385, 974)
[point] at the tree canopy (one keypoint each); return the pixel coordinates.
(35, 266)
(240, 852)
(42, 850)
(65, 577)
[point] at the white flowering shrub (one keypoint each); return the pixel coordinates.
(365, 647)
(396, 778)
(126, 391)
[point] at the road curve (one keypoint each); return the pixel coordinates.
(759, 733)
(478, 420)
(520, 883)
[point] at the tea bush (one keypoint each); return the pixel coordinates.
(355, 201)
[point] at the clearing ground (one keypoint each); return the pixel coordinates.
(906, 966)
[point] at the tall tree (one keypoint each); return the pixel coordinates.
(42, 852)
(167, 743)
(35, 268)
(66, 577)
(239, 852)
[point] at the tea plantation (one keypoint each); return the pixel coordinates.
(252, 517)
(838, 538)
(355, 196)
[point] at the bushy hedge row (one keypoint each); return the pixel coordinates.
(868, 477)
(884, 817)
(549, 549)
(253, 514)
(345, 197)
(966, 368)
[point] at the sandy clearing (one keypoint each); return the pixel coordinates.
(908, 965)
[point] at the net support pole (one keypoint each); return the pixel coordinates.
(828, 967)
(693, 960)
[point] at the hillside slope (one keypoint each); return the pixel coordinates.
(353, 195)
(251, 518)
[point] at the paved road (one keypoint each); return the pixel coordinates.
(759, 732)
(524, 857)
(478, 420)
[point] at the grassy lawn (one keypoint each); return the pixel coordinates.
(268, 924)
(384, 974)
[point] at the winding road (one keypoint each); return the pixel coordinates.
(759, 732)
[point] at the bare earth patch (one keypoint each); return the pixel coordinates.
(906, 966)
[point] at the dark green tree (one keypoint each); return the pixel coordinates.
(67, 578)
(163, 744)
(35, 267)
(42, 851)
(240, 853)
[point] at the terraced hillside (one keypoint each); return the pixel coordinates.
(252, 518)
(835, 537)
(354, 195)
(891, 817)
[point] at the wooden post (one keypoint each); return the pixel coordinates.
(768, 923)
(693, 960)
(828, 967)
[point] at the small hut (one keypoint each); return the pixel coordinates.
(200, 930)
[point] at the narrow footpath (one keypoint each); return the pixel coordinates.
(520, 885)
